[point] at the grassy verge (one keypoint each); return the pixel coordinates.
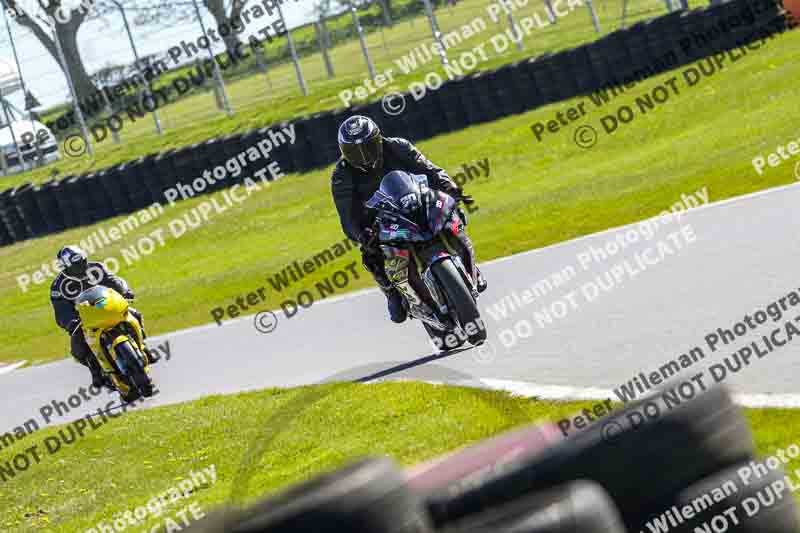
(128, 461)
(195, 118)
(537, 194)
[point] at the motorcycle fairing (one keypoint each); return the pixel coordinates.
(432, 223)
(440, 211)
(107, 323)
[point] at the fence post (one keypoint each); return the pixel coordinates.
(219, 91)
(624, 14)
(514, 32)
(437, 35)
(3, 162)
(361, 40)
(387, 17)
(261, 63)
(551, 14)
(114, 133)
(324, 49)
(595, 20)
(298, 71)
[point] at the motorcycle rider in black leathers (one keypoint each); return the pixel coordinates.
(366, 157)
(77, 275)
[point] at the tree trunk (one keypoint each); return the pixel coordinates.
(217, 10)
(84, 86)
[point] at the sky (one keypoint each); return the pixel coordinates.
(104, 41)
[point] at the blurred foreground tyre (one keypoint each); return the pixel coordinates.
(761, 499)
(369, 496)
(641, 467)
(577, 507)
(465, 467)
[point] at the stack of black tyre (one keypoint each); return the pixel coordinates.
(591, 482)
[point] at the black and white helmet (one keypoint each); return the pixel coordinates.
(361, 143)
(73, 261)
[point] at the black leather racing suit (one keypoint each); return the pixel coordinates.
(63, 293)
(352, 187)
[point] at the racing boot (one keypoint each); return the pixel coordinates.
(152, 356)
(397, 310)
(481, 282)
(99, 380)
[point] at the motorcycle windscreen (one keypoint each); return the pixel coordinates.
(101, 307)
(440, 211)
(398, 191)
(380, 201)
(91, 295)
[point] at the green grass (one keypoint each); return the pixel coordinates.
(538, 194)
(303, 432)
(260, 101)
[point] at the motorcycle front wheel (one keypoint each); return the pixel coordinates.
(441, 341)
(138, 380)
(460, 300)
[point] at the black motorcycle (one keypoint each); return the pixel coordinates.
(417, 228)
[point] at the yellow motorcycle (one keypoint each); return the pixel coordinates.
(116, 340)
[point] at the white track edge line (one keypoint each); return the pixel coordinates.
(361, 292)
(563, 393)
(11, 367)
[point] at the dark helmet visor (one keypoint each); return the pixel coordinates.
(365, 155)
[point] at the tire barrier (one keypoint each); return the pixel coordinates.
(112, 189)
(101, 199)
(645, 49)
(29, 211)
(369, 496)
(47, 198)
(576, 507)
(692, 441)
(687, 470)
(12, 219)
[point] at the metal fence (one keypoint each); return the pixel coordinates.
(356, 54)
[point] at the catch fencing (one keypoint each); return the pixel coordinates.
(33, 210)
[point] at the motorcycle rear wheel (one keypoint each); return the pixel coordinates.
(460, 299)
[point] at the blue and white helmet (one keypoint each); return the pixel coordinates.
(73, 261)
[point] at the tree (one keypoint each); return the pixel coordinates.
(66, 22)
(218, 10)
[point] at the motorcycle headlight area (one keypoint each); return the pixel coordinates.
(410, 203)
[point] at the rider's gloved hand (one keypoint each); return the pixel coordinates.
(365, 237)
(459, 196)
(129, 295)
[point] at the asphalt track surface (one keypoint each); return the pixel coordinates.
(746, 255)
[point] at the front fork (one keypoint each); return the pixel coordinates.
(457, 243)
(105, 353)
